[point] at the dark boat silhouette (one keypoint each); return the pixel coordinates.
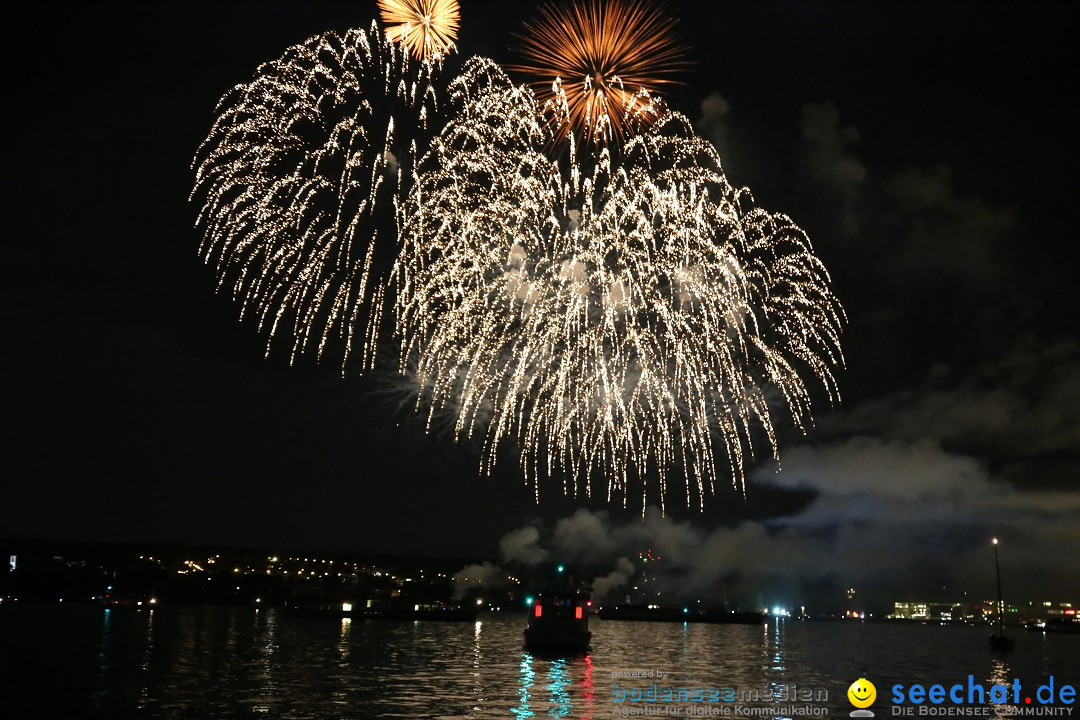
(559, 623)
(1068, 625)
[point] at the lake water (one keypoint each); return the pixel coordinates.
(86, 662)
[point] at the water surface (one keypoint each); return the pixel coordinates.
(88, 662)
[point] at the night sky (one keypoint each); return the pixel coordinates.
(927, 148)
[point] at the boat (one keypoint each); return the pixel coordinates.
(1068, 625)
(440, 611)
(1000, 642)
(657, 613)
(559, 623)
(443, 612)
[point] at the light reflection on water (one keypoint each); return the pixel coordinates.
(560, 696)
(528, 677)
(240, 663)
(999, 675)
(588, 691)
(103, 653)
(264, 640)
(145, 664)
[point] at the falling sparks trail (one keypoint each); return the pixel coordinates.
(300, 179)
(615, 317)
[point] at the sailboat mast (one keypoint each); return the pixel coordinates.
(1000, 602)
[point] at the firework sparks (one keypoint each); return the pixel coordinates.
(623, 321)
(300, 178)
(623, 315)
(603, 56)
(428, 28)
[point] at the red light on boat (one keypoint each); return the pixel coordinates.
(577, 612)
(539, 611)
(1070, 611)
(589, 603)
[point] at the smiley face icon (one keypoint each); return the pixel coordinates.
(862, 693)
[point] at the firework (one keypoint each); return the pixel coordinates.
(428, 28)
(300, 177)
(621, 321)
(603, 56)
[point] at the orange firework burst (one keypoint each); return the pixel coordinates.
(428, 28)
(608, 56)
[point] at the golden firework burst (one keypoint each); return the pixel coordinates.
(600, 60)
(428, 28)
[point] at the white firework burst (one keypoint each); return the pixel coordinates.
(300, 179)
(613, 317)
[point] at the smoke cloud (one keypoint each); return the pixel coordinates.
(522, 546)
(476, 576)
(622, 574)
(886, 519)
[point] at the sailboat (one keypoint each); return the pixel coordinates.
(998, 641)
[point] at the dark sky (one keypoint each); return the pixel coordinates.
(927, 148)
